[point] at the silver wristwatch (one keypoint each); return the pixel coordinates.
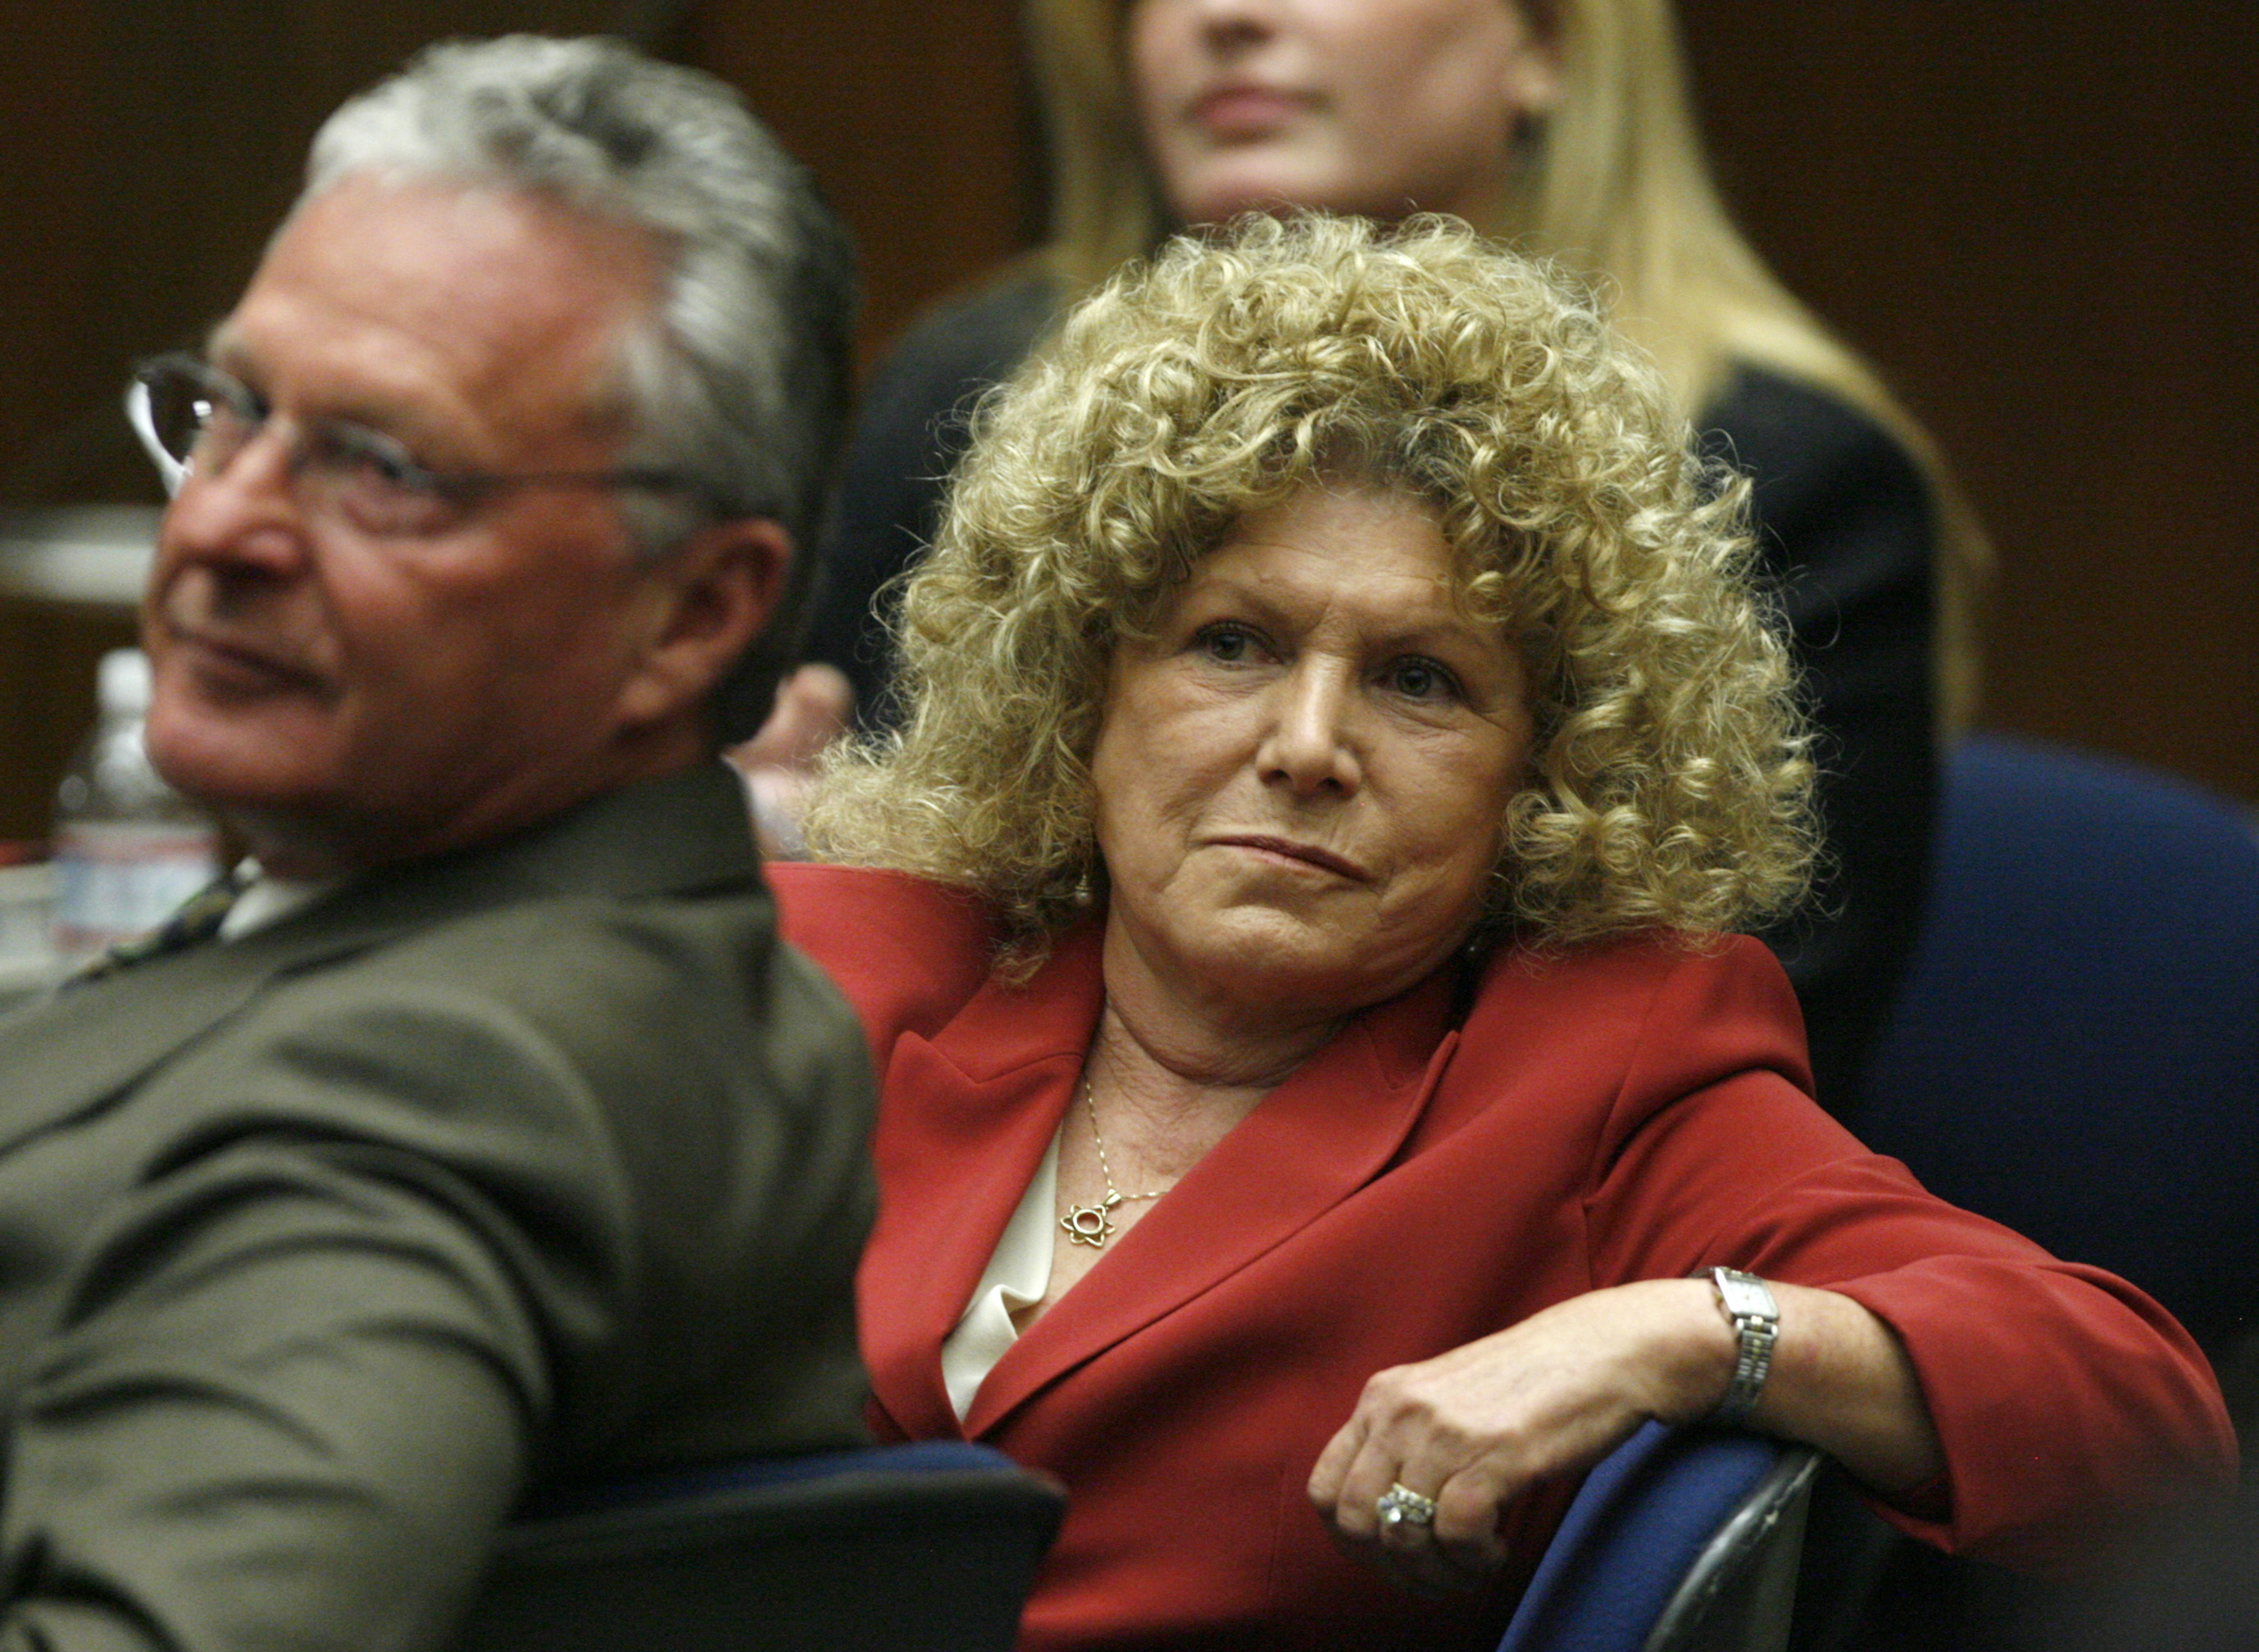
(1755, 1319)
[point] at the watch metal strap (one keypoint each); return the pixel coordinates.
(1755, 1319)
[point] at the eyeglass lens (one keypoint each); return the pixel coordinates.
(203, 419)
(199, 417)
(194, 417)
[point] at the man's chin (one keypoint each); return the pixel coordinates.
(228, 764)
(301, 834)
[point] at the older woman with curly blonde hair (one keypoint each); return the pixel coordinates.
(1339, 724)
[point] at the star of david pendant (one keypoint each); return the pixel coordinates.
(1091, 1224)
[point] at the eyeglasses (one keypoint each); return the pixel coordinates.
(195, 419)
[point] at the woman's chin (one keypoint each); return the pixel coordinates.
(1281, 969)
(1222, 187)
(1218, 194)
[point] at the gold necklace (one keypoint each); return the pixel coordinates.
(1093, 1224)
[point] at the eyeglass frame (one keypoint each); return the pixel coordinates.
(465, 490)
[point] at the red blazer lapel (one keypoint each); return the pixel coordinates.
(963, 1121)
(1326, 1132)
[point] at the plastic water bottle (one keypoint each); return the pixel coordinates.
(128, 848)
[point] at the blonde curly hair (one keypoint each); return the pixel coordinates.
(1668, 780)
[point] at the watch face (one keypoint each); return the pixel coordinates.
(1744, 1293)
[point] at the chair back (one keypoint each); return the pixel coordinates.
(2075, 1053)
(1681, 1539)
(2076, 1049)
(926, 1548)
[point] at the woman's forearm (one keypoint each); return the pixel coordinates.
(1842, 1381)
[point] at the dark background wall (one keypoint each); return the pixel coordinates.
(2038, 220)
(2039, 230)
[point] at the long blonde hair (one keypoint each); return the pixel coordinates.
(1670, 783)
(1613, 183)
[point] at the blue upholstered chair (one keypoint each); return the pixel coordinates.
(1681, 1539)
(922, 1548)
(2076, 1051)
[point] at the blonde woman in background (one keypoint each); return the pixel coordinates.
(1563, 126)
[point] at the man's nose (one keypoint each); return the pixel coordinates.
(242, 511)
(1310, 745)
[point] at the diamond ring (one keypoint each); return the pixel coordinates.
(1400, 1506)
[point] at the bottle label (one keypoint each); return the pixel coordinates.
(115, 880)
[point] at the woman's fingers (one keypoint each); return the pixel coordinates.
(1333, 1465)
(1402, 1544)
(814, 706)
(1398, 1487)
(812, 710)
(1467, 1512)
(1471, 1430)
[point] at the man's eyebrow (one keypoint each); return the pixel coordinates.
(226, 349)
(223, 347)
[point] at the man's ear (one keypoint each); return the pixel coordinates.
(714, 594)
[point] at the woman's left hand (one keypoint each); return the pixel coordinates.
(1474, 1427)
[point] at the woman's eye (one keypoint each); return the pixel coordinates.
(1423, 680)
(1227, 645)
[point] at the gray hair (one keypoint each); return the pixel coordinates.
(741, 378)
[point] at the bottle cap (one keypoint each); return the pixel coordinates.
(124, 689)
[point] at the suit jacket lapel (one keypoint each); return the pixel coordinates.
(86, 1045)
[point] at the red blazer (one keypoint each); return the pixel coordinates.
(1440, 1171)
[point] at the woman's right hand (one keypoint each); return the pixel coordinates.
(1474, 1427)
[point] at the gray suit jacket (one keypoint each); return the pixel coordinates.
(539, 1162)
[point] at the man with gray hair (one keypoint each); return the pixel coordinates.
(489, 1141)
